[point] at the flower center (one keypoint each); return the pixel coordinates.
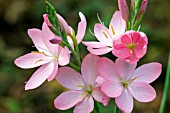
(131, 46)
(125, 84)
(90, 90)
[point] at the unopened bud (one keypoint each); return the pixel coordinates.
(124, 10)
(55, 40)
(45, 16)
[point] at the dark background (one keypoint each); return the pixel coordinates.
(16, 16)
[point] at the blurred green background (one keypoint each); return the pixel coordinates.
(16, 16)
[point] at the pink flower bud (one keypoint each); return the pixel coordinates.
(124, 10)
(55, 40)
(45, 16)
(143, 6)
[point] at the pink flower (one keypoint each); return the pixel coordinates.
(48, 57)
(106, 36)
(121, 81)
(81, 27)
(82, 88)
(124, 10)
(131, 46)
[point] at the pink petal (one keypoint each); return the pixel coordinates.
(147, 72)
(99, 51)
(103, 35)
(107, 70)
(121, 52)
(118, 24)
(93, 44)
(64, 23)
(64, 56)
(112, 89)
(143, 92)
(39, 76)
(99, 96)
(140, 52)
(47, 34)
(86, 106)
(52, 76)
(36, 36)
(125, 101)
(100, 80)
(125, 69)
(45, 16)
(68, 99)
(125, 39)
(69, 78)
(81, 28)
(89, 69)
(132, 58)
(32, 60)
(124, 10)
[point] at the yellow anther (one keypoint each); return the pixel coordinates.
(38, 61)
(105, 35)
(39, 52)
(113, 31)
(82, 95)
(91, 87)
(133, 79)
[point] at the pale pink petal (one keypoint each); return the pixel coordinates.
(64, 23)
(69, 78)
(93, 44)
(36, 36)
(99, 96)
(124, 10)
(45, 16)
(125, 101)
(112, 89)
(64, 56)
(32, 60)
(86, 106)
(103, 35)
(99, 51)
(89, 69)
(81, 28)
(100, 80)
(125, 69)
(118, 24)
(121, 53)
(68, 99)
(52, 76)
(132, 58)
(147, 72)
(143, 92)
(39, 76)
(47, 34)
(107, 69)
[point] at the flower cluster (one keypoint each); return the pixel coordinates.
(95, 79)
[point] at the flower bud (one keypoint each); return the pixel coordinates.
(55, 39)
(124, 10)
(45, 16)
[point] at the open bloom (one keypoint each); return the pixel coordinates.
(121, 81)
(82, 88)
(131, 46)
(80, 31)
(106, 36)
(48, 57)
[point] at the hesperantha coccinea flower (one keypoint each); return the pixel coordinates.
(106, 36)
(130, 46)
(83, 89)
(121, 81)
(48, 56)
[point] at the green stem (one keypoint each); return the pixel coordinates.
(74, 66)
(166, 88)
(96, 107)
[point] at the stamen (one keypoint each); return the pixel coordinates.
(38, 61)
(42, 48)
(91, 32)
(82, 95)
(105, 35)
(38, 52)
(112, 29)
(91, 87)
(99, 19)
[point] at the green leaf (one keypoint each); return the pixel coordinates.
(166, 88)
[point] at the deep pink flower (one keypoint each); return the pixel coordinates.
(48, 56)
(131, 46)
(82, 88)
(121, 81)
(124, 10)
(106, 36)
